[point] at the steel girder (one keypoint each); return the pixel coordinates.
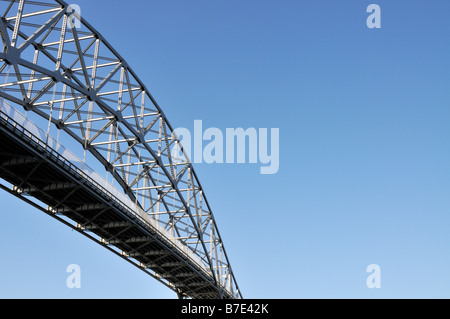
(56, 65)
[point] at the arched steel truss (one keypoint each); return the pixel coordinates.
(55, 64)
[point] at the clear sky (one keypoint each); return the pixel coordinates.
(364, 147)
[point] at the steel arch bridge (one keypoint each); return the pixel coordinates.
(143, 201)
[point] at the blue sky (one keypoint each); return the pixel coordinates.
(364, 156)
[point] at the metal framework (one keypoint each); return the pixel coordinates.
(56, 65)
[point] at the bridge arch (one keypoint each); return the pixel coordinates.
(66, 73)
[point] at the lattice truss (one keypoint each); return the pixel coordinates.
(57, 66)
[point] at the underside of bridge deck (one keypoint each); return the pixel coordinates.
(41, 176)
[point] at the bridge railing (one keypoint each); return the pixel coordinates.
(21, 122)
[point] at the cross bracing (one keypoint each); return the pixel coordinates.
(57, 66)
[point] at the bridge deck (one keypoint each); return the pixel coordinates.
(37, 171)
